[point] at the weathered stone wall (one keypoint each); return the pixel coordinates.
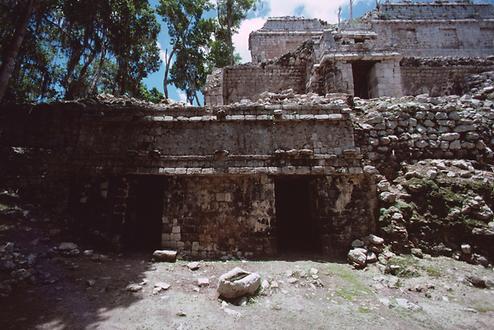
(429, 38)
(335, 75)
(249, 81)
(217, 216)
(344, 208)
(440, 76)
(408, 129)
(443, 10)
(220, 165)
(281, 35)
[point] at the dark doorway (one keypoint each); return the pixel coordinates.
(362, 78)
(142, 231)
(297, 230)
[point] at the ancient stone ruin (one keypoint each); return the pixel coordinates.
(288, 155)
(402, 48)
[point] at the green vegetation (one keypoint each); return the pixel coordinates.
(352, 287)
(52, 49)
(408, 266)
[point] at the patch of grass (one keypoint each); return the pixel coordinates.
(432, 271)
(408, 266)
(353, 286)
(363, 309)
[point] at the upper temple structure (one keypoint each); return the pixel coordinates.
(400, 48)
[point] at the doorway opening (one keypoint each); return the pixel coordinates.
(143, 224)
(364, 79)
(297, 228)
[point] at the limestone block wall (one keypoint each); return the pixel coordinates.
(435, 37)
(213, 91)
(452, 10)
(440, 76)
(281, 35)
(345, 209)
(336, 76)
(270, 45)
(249, 81)
(331, 77)
(210, 217)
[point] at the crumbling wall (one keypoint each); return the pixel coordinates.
(249, 81)
(440, 76)
(281, 35)
(409, 129)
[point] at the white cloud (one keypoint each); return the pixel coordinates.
(241, 39)
(326, 10)
(162, 52)
(182, 97)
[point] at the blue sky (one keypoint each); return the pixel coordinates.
(323, 9)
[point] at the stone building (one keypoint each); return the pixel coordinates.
(249, 181)
(401, 48)
(289, 173)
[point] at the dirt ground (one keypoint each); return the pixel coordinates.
(90, 292)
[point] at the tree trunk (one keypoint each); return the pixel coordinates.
(94, 85)
(167, 70)
(74, 87)
(197, 99)
(8, 62)
(229, 26)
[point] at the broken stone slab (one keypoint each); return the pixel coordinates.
(67, 246)
(477, 281)
(202, 282)
(193, 265)
(357, 257)
(375, 240)
(238, 283)
(133, 287)
(165, 255)
(160, 286)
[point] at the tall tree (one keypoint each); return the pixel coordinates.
(25, 11)
(189, 31)
(133, 33)
(230, 15)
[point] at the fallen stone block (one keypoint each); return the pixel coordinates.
(238, 283)
(165, 255)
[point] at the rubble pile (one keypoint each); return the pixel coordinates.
(15, 267)
(365, 251)
(412, 128)
(481, 86)
(441, 207)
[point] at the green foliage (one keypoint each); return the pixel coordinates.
(75, 48)
(408, 266)
(230, 15)
(153, 95)
(191, 36)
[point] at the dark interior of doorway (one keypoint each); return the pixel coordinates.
(361, 78)
(142, 230)
(297, 228)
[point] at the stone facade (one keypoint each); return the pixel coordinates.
(205, 180)
(388, 52)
